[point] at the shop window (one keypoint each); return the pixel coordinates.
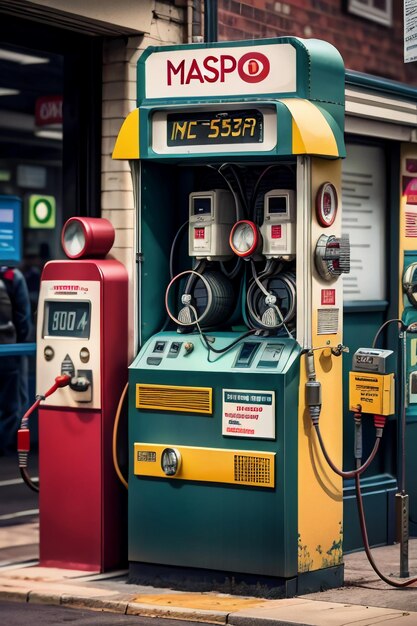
(376, 10)
(364, 218)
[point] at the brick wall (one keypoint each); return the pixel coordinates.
(365, 45)
(119, 98)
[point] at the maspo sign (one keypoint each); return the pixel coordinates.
(226, 71)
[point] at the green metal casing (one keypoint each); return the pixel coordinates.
(211, 525)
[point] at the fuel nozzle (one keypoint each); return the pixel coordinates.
(62, 381)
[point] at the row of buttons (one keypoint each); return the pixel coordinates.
(49, 353)
(159, 348)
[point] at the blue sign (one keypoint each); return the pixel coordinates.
(10, 230)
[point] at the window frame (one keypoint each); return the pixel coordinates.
(367, 10)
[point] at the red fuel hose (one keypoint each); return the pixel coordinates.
(23, 434)
(365, 540)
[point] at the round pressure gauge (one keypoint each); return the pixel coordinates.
(244, 238)
(170, 461)
(326, 204)
(87, 237)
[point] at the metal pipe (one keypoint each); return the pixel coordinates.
(210, 21)
(401, 498)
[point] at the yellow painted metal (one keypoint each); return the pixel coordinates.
(127, 142)
(237, 467)
(311, 132)
(320, 490)
(373, 393)
(174, 398)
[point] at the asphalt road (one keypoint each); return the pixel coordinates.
(18, 613)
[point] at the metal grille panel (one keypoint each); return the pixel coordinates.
(328, 321)
(252, 469)
(173, 398)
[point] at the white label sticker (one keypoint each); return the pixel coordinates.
(248, 413)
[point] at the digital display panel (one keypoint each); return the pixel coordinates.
(277, 204)
(201, 206)
(67, 319)
(214, 128)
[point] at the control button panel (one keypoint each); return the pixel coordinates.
(246, 354)
(174, 349)
(271, 355)
(153, 360)
(159, 347)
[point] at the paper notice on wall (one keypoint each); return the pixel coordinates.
(363, 196)
(410, 31)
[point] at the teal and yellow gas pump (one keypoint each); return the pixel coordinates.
(236, 157)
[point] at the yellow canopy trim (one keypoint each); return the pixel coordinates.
(127, 142)
(311, 133)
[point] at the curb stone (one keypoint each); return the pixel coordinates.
(196, 615)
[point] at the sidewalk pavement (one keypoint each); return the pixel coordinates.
(365, 600)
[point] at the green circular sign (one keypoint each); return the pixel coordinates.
(42, 210)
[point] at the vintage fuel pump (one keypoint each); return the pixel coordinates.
(81, 334)
(239, 145)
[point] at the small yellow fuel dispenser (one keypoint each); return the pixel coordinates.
(239, 145)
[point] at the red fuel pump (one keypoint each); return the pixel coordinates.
(82, 333)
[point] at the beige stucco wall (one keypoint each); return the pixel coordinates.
(119, 98)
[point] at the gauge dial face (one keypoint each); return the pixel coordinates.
(170, 461)
(326, 204)
(244, 238)
(73, 239)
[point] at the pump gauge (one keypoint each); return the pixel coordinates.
(87, 237)
(170, 461)
(244, 238)
(326, 204)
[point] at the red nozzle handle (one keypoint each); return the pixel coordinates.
(63, 380)
(60, 381)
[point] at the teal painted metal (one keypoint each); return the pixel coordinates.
(410, 317)
(208, 525)
(319, 79)
(383, 85)
(360, 327)
(320, 71)
(226, 527)
(378, 496)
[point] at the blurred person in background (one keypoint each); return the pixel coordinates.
(15, 327)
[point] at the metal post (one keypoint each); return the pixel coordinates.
(401, 498)
(210, 21)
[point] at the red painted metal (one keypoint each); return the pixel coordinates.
(82, 504)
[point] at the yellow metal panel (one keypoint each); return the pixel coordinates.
(127, 142)
(237, 467)
(311, 133)
(374, 393)
(320, 490)
(174, 398)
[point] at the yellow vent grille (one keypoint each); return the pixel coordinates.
(173, 398)
(252, 469)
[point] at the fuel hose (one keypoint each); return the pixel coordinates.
(23, 434)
